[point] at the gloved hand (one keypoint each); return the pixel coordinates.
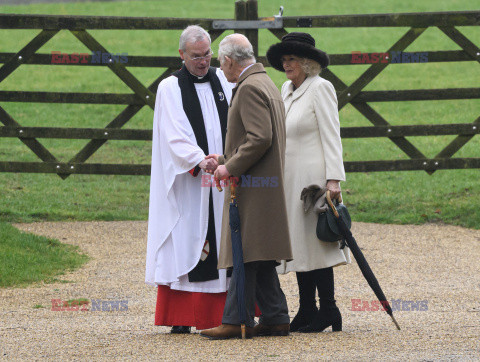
(313, 196)
(320, 204)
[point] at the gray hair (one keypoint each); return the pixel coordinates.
(242, 53)
(192, 34)
(310, 66)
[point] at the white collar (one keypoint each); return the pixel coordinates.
(245, 70)
(193, 75)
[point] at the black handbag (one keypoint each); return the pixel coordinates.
(327, 228)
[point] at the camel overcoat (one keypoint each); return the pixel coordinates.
(255, 153)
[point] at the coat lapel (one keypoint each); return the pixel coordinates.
(293, 95)
(303, 87)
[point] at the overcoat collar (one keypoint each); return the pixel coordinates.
(297, 93)
(256, 68)
(293, 95)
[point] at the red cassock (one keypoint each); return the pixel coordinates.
(199, 310)
(180, 308)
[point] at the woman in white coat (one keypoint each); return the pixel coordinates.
(313, 155)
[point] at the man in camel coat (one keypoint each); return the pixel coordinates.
(255, 154)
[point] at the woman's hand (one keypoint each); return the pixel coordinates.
(334, 187)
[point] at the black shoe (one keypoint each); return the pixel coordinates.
(324, 319)
(180, 330)
(303, 318)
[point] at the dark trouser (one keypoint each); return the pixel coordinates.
(262, 287)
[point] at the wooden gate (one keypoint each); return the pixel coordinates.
(246, 21)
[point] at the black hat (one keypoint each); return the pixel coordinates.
(300, 44)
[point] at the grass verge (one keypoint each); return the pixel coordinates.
(27, 258)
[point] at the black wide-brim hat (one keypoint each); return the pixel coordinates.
(299, 44)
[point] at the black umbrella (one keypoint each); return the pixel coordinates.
(237, 251)
(361, 261)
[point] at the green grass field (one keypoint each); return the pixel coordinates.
(26, 258)
(394, 197)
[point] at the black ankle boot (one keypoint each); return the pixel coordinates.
(326, 317)
(308, 305)
(303, 318)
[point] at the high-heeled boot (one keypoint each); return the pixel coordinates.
(328, 314)
(308, 305)
(325, 317)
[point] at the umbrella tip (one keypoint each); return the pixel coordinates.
(244, 334)
(395, 321)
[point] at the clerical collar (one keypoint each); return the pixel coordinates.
(195, 79)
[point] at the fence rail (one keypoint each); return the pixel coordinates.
(174, 62)
(146, 135)
(72, 22)
(248, 22)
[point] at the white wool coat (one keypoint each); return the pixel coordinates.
(313, 155)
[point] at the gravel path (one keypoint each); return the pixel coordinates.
(432, 263)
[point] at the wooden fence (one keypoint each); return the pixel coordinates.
(247, 22)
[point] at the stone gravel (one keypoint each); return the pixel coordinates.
(436, 265)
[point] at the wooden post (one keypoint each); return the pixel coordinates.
(252, 14)
(240, 13)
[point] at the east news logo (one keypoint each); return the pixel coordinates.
(95, 58)
(82, 304)
(359, 305)
(392, 57)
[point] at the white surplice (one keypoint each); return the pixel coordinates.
(178, 212)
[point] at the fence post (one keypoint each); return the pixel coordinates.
(240, 13)
(252, 14)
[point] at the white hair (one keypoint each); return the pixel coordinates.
(310, 66)
(192, 34)
(241, 52)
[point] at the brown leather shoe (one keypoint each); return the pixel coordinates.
(226, 331)
(275, 330)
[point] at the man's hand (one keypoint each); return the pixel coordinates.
(209, 165)
(212, 156)
(334, 187)
(221, 173)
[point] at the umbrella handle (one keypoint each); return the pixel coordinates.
(329, 200)
(232, 189)
(339, 197)
(217, 183)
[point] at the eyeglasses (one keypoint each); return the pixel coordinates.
(198, 59)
